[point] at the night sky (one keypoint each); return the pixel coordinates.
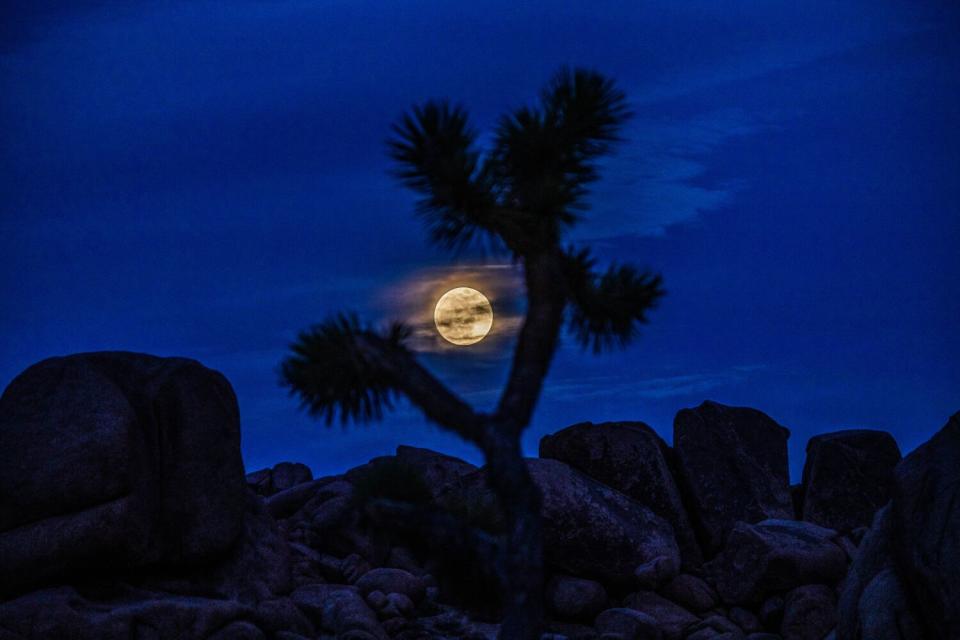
(206, 179)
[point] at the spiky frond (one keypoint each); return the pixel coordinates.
(331, 373)
(544, 157)
(434, 148)
(606, 309)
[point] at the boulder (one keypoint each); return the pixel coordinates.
(117, 460)
(390, 581)
(690, 592)
(873, 602)
(437, 469)
(809, 613)
(289, 474)
(575, 599)
(340, 610)
(745, 619)
(847, 476)
(775, 555)
(258, 567)
(903, 583)
(732, 464)
(631, 458)
(629, 624)
(672, 620)
(926, 529)
(590, 529)
(121, 612)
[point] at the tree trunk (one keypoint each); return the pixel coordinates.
(521, 560)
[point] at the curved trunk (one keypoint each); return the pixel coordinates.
(521, 559)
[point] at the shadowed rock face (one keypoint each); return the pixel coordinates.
(590, 529)
(732, 464)
(904, 581)
(926, 528)
(775, 555)
(630, 457)
(847, 476)
(121, 460)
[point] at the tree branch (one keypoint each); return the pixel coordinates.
(431, 396)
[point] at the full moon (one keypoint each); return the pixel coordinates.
(463, 316)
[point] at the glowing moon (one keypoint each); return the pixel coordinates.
(463, 316)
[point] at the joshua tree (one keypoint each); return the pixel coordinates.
(524, 193)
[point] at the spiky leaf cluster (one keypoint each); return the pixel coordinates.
(525, 189)
(331, 373)
(607, 308)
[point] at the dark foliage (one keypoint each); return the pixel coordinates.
(606, 308)
(330, 373)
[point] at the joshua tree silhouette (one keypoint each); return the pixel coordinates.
(525, 193)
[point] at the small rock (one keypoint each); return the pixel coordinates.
(352, 567)
(717, 624)
(690, 592)
(809, 613)
(672, 620)
(377, 600)
(771, 612)
(397, 606)
(392, 581)
(629, 624)
(745, 620)
(575, 598)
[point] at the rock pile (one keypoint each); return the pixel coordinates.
(124, 513)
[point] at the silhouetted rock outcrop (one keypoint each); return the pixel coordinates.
(904, 582)
(116, 460)
(284, 556)
(847, 476)
(630, 457)
(732, 463)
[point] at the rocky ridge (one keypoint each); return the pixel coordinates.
(125, 513)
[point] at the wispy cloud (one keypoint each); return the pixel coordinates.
(656, 181)
(597, 387)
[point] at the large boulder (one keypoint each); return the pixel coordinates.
(775, 555)
(437, 469)
(732, 464)
(904, 582)
(116, 460)
(847, 476)
(926, 528)
(631, 458)
(590, 529)
(873, 602)
(280, 477)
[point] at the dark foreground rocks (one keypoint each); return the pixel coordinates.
(904, 583)
(119, 460)
(131, 518)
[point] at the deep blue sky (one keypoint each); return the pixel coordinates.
(205, 179)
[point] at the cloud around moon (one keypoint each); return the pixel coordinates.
(414, 298)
